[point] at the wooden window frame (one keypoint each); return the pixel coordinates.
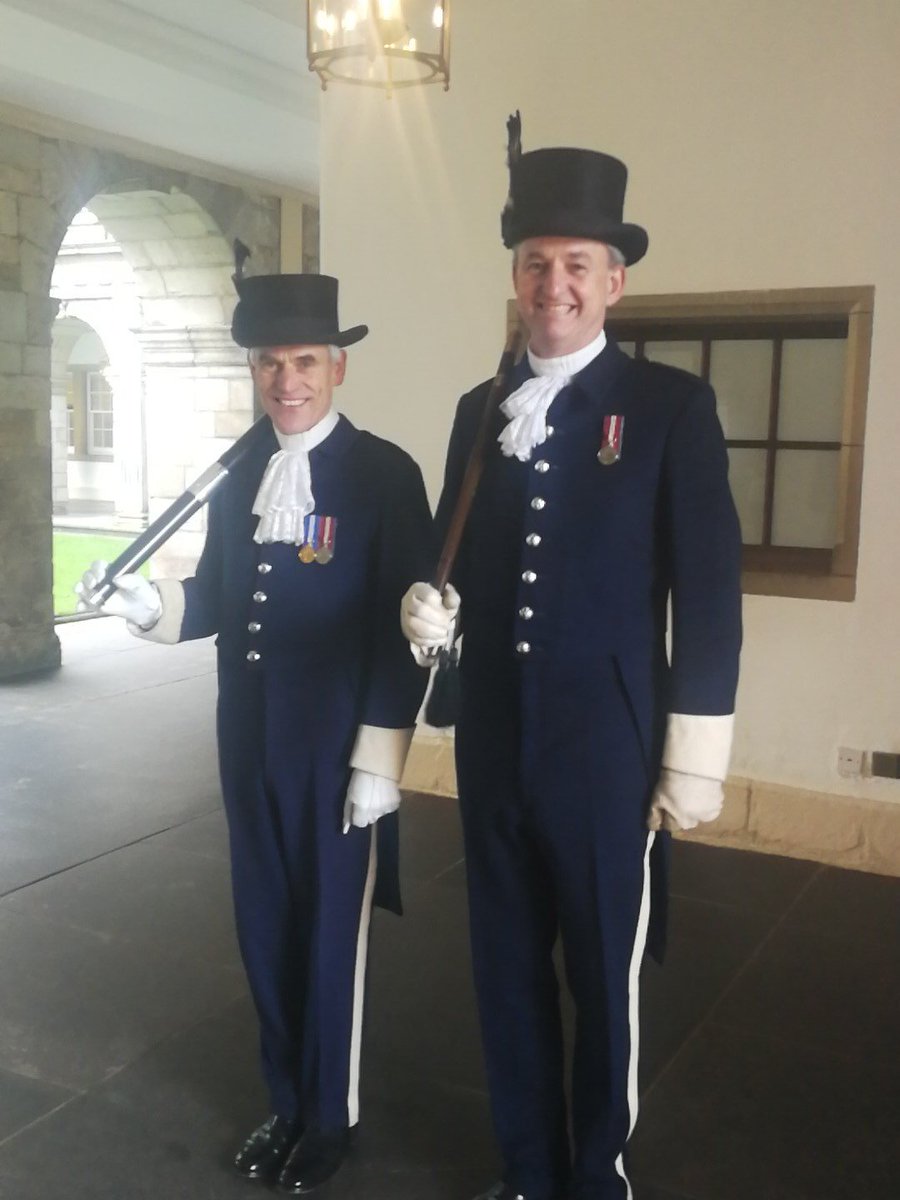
(782, 570)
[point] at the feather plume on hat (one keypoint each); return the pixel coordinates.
(513, 154)
(241, 254)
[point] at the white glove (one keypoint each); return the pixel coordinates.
(428, 619)
(134, 598)
(368, 798)
(682, 801)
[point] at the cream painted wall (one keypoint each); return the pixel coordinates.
(763, 141)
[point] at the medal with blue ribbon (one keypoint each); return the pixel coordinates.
(318, 539)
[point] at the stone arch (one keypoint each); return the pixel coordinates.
(44, 183)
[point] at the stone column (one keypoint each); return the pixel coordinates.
(28, 642)
(124, 377)
(27, 639)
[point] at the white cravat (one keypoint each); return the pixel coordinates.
(527, 406)
(285, 494)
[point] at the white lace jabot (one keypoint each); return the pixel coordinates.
(285, 493)
(527, 406)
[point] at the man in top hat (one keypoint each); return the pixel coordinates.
(311, 542)
(580, 743)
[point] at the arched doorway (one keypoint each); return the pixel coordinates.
(190, 394)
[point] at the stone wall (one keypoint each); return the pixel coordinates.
(844, 831)
(44, 182)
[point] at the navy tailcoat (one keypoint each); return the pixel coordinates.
(566, 570)
(327, 657)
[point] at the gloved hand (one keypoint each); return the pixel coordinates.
(368, 798)
(427, 618)
(134, 598)
(682, 801)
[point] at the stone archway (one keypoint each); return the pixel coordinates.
(151, 272)
(44, 182)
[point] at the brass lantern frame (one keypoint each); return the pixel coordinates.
(434, 67)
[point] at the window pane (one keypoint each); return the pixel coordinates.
(741, 373)
(805, 501)
(747, 476)
(812, 390)
(100, 413)
(686, 355)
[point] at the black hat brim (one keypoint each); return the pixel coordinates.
(272, 330)
(631, 240)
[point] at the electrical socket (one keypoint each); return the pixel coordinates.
(886, 764)
(849, 762)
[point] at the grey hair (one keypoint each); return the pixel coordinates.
(616, 257)
(253, 354)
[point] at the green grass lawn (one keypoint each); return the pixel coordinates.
(73, 553)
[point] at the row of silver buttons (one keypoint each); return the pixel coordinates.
(253, 656)
(533, 540)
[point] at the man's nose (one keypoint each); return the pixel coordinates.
(554, 278)
(287, 374)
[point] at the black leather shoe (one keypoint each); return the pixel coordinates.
(500, 1191)
(313, 1160)
(266, 1149)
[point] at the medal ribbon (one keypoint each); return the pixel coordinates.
(613, 428)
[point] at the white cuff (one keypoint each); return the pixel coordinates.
(698, 744)
(381, 751)
(168, 628)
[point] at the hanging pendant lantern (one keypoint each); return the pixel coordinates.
(387, 44)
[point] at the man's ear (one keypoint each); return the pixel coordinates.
(340, 369)
(615, 285)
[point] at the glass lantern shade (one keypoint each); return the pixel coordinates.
(387, 44)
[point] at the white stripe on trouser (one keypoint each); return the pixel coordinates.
(634, 974)
(359, 982)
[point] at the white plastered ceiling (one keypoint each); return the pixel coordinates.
(224, 81)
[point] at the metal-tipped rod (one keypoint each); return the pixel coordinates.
(159, 531)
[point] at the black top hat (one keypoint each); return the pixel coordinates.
(564, 192)
(287, 310)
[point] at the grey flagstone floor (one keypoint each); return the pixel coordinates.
(769, 1068)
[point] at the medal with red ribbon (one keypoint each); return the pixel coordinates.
(611, 446)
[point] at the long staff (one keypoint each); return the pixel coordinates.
(440, 710)
(159, 531)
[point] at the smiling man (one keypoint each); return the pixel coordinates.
(580, 745)
(563, 288)
(295, 383)
(312, 540)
